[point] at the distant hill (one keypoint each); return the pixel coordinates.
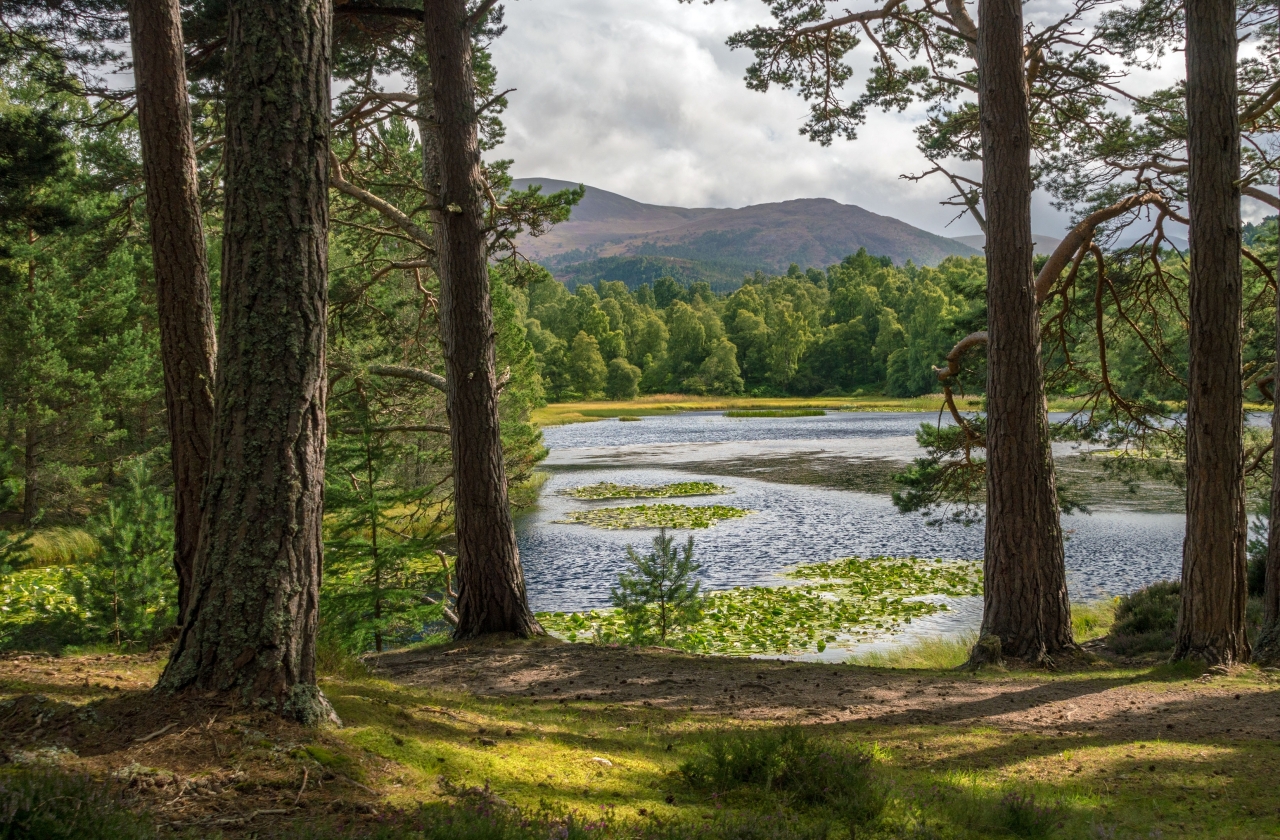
(613, 237)
(635, 271)
(1044, 244)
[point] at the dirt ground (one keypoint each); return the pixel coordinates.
(190, 762)
(199, 763)
(1119, 707)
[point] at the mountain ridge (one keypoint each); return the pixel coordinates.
(810, 232)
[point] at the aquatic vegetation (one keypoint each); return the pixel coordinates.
(837, 601)
(785, 412)
(609, 490)
(654, 516)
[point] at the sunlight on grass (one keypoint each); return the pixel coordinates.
(60, 546)
(935, 653)
(1092, 620)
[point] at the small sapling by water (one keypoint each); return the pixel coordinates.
(658, 592)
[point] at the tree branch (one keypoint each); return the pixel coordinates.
(391, 212)
(1079, 237)
(426, 377)
(1261, 195)
(857, 17)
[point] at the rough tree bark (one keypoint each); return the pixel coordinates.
(491, 589)
(1214, 584)
(1267, 648)
(251, 627)
(1025, 603)
(181, 264)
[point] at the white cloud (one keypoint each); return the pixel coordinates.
(642, 97)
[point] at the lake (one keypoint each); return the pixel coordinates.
(819, 487)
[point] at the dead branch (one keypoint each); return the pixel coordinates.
(426, 377)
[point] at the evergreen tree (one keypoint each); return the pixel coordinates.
(658, 592)
(128, 590)
(251, 626)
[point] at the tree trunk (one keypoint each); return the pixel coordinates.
(31, 467)
(31, 436)
(1214, 581)
(1024, 571)
(181, 264)
(1267, 649)
(491, 591)
(251, 626)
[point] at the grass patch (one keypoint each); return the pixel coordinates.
(838, 601)
(45, 804)
(58, 546)
(792, 767)
(609, 490)
(677, 517)
(1092, 620)
(934, 653)
(556, 414)
(519, 767)
(777, 412)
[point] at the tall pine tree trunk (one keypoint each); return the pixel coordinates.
(1024, 570)
(251, 627)
(1267, 648)
(491, 590)
(181, 264)
(31, 435)
(1214, 584)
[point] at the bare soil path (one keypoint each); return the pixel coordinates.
(1114, 705)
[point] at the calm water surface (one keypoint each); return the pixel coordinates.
(1116, 548)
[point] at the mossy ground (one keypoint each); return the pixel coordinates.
(1141, 752)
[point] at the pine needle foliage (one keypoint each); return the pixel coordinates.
(384, 581)
(658, 592)
(127, 591)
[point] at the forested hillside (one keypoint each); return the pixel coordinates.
(861, 324)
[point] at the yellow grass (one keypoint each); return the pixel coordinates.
(556, 414)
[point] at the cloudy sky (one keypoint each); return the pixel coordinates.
(643, 98)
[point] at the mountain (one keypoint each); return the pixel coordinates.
(610, 236)
(1044, 244)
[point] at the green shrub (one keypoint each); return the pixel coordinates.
(803, 770)
(1147, 619)
(47, 805)
(128, 592)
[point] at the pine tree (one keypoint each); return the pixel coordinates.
(128, 590)
(658, 593)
